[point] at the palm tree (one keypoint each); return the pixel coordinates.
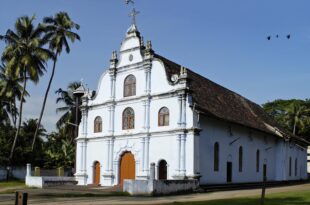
(25, 57)
(66, 97)
(4, 112)
(58, 31)
(297, 115)
(10, 89)
(23, 146)
(29, 127)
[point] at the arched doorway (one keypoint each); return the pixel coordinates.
(127, 167)
(162, 169)
(96, 173)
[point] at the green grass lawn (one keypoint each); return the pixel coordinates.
(11, 186)
(14, 183)
(286, 198)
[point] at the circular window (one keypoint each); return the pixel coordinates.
(130, 57)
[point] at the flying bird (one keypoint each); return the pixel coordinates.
(277, 36)
(268, 38)
(288, 36)
(129, 1)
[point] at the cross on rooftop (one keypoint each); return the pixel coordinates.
(133, 15)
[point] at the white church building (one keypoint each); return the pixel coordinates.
(148, 109)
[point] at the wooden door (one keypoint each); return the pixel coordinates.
(229, 172)
(162, 169)
(127, 167)
(97, 173)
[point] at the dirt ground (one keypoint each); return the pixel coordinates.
(102, 195)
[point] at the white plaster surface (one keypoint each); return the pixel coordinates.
(41, 181)
(159, 187)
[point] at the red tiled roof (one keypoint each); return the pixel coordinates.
(222, 103)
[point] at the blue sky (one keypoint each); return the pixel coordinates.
(223, 40)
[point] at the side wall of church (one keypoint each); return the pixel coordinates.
(273, 152)
(308, 164)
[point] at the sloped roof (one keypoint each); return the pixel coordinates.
(222, 103)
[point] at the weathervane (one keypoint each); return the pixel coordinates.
(133, 13)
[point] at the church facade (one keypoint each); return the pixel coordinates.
(148, 109)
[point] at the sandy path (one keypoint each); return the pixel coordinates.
(153, 200)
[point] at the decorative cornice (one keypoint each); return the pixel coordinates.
(143, 134)
(142, 97)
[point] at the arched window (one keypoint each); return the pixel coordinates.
(216, 156)
(240, 158)
(290, 167)
(130, 86)
(128, 119)
(163, 117)
(98, 124)
(257, 161)
(295, 167)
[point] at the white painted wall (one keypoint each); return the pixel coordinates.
(17, 172)
(270, 153)
(308, 157)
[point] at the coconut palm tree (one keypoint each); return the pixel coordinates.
(66, 98)
(297, 115)
(11, 90)
(4, 112)
(25, 57)
(58, 32)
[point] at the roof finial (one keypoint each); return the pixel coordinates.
(133, 13)
(149, 45)
(114, 55)
(183, 71)
(148, 50)
(142, 42)
(113, 60)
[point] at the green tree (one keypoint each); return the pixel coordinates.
(66, 98)
(58, 31)
(6, 139)
(25, 57)
(24, 152)
(10, 91)
(60, 151)
(297, 115)
(293, 114)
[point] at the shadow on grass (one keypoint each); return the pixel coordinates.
(73, 195)
(252, 201)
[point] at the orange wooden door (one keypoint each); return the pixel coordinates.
(127, 167)
(97, 173)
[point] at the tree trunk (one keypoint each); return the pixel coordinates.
(14, 113)
(19, 122)
(294, 126)
(44, 103)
